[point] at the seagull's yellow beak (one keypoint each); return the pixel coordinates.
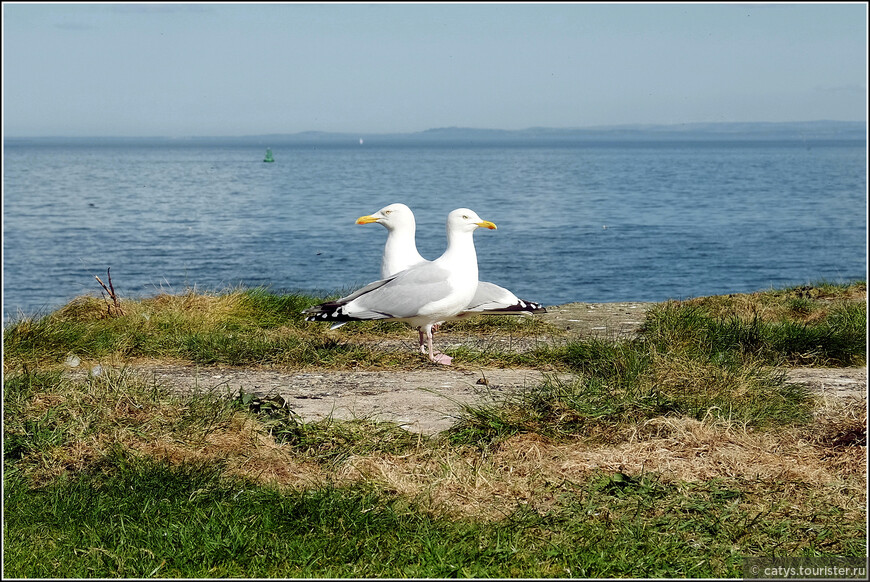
(368, 219)
(486, 224)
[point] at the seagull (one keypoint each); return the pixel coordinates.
(422, 295)
(400, 252)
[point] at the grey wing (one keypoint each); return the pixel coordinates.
(491, 299)
(363, 290)
(332, 305)
(404, 295)
(491, 296)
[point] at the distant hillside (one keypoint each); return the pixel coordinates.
(786, 131)
(689, 131)
(791, 130)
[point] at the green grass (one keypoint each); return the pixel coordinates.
(328, 441)
(690, 359)
(121, 519)
(256, 327)
(605, 407)
(236, 328)
(836, 338)
(83, 500)
(113, 475)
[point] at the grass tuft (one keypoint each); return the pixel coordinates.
(328, 441)
(604, 407)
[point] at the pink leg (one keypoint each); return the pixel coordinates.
(422, 341)
(436, 357)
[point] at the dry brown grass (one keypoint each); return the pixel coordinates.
(672, 374)
(192, 303)
(829, 455)
(531, 470)
(215, 305)
(84, 308)
(840, 432)
(826, 460)
(244, 450)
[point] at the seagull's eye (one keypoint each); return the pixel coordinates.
(387, 211)
(465, 216)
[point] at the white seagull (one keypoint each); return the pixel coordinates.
(421, 295)
(400, 252)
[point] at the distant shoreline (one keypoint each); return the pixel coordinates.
(724, 131)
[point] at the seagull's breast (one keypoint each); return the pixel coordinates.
(459, 294)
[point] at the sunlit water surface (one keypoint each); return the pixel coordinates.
(581, 222)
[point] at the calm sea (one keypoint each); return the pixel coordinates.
(597, 222)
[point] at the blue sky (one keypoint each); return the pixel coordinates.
(238, 69)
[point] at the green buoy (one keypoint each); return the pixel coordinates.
(269, 157)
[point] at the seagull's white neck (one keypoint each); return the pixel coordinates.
(460, 251)
(400, 251)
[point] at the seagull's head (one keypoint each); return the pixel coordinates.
(463, 219)
(393, 216)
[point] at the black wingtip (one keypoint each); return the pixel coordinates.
(329, 316)
(523, 307)
(330, 312)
